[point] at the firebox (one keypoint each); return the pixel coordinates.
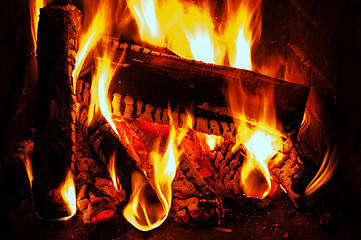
(181, 119)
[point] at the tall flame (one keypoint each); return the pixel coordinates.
(99, 90)
(34, 7)
(90, 38)
(140, 212)
(189, 30)
(324, 174)
(111, 169)
(259, 136)
(67, 191)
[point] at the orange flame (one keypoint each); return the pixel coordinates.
(67, 191)
(90, 38)
(28, 164)
(111, 169)
(324, 174)
(189, 30)
(99, 90)
(140, 212)
(34, 7)
(259, 136)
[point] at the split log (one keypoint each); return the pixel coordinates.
(294, 173)
(155, 79)
(55, 126)
(97, 197)
(106, 144)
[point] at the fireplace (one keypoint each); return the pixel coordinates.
(302, 46)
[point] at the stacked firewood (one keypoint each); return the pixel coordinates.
(148, 85)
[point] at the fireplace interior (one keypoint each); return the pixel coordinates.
(310, 43)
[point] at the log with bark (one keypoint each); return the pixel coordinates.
(55, 126)
(147, 81)
(206, 118)
(158, 79)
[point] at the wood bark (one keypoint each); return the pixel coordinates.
(55, 127)
(158, 79)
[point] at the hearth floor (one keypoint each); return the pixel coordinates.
(280, 221)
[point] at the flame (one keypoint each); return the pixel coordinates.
(34, 7)
(258, 135)
(67, 191)
(90, 38)
(189, 30)
(28, 165)
(111, 169)
(140, 212)
(243, 29)
(99, 90)
(324, 174)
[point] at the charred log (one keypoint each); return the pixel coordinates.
(55, 127)
(97, 197)
(106, 144)
(147, 81)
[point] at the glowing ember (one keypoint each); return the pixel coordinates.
(213, 141)
(141, 212)
(67, 191)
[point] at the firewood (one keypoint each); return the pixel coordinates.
(147, 81)
(55, 126)
(158, 79)
(294, 173)
(190, 191)
(106, 144)
(97, 197)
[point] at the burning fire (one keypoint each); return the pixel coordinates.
(324, 174)
(259, 136)
(141, 212)
(67, 191)
(34, 7)
(90, 38)
(111, 169)
(189, 30)
(99, 90)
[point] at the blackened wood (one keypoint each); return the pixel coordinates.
(97, 197)
(55, 135)
(190, 191)
(158, 79)
(130, 108)
(106, 145)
